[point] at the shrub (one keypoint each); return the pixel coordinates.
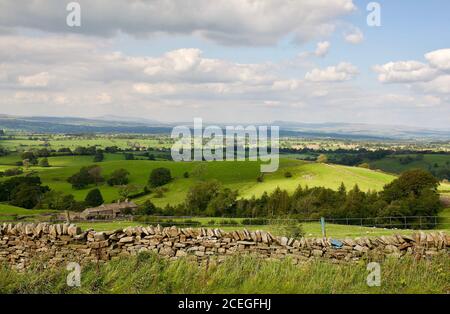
(230, 222)
(129, 156)
(26, 196)
(94, 198)
(99, 156)
(118, 177)
(322, 159)
(159, 177)
(288, 174)
(44, 162)
(86, 176)
(148, 208)
(12, 172)
(254, 221)
(289, 228)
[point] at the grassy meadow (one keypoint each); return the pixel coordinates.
(148, 273)
(392, 164)
(237, 175)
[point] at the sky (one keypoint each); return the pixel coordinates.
(242, 61)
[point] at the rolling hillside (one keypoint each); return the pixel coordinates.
(235, 175)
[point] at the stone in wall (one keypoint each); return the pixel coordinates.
(53, 244)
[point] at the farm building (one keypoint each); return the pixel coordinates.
(109, 211)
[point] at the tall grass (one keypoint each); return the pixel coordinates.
(148, 273)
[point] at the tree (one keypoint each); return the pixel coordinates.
(8, 187)
(118, 177)
(410, 182)
(148, 208)
(94, 198)
(96, 174)
(85, 176)
(129, 156)
(322, 159)
(200, 194)
(26, 196)
(159, 177)
(278, 203)
(98, 157)
(30, 156)
(3, 151)
(43, 162)
(60, 201)
(223, 204)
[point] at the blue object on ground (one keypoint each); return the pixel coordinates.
(336, 243)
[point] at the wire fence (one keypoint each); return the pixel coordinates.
(364, 223)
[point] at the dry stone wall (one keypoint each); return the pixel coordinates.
(56, 244)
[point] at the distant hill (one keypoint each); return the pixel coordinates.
(114, 124)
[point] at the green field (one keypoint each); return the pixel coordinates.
(392, 163)
(238, 175)
(20, 143)
(10, 213)
(148, 273)
(311, 229)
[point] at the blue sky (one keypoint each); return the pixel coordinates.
(229, 61)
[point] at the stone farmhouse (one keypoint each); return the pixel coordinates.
(109, 211)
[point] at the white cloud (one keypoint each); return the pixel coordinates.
(404, 71)
(103, 98)
(36, 80)
(440, 85)
(235, 22)
(344, 71)
(439, 59)
(355, 36)
(322, 48)
(89, 77)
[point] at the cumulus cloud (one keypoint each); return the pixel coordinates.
(36, 80)
(404, 71)
(344, 71)
(430, 80)
(322, 48)
(440, 85)
(233, 22)
(355, 36)
(79, 75)
(439, 59)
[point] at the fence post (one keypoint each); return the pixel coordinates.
(322, 223)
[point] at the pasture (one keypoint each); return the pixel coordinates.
(236, 175)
